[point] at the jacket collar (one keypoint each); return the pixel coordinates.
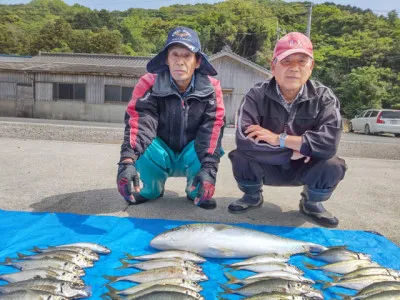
(307, 94)
(163, 87)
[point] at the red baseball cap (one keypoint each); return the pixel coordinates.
(293, 42)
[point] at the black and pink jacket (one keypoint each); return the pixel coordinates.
(158, 110)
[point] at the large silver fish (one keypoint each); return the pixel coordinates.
(219, 240)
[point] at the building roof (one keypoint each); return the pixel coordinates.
(93, 59)
(101, 64)
(226, 51)
(68, 68)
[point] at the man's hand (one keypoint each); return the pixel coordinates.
(127, 175)
(259, 133)
(206, 178)
(297, 155)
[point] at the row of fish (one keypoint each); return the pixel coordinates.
(51, 273)
(163, 275)
(269, 256)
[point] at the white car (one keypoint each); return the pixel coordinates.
(374, 121)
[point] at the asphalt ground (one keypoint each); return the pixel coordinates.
(66, 166)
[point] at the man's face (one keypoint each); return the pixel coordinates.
(293, 71)
(182, 63)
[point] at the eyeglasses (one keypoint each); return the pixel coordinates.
(302, 62)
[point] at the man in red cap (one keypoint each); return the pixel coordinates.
(174, 125)
(288, 133)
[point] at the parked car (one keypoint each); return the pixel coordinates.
(374, 121)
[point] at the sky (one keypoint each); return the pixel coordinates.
(379, 7)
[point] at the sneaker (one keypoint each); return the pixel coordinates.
(210, 204)
(317, 212)
(246, 203)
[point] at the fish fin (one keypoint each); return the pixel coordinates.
(232, 279)
(326, 285)
(310, 266)
(35, 249)
(129, 256)
(110, 278)
(21, 256)
(217, 252)
(111, 290)
(344, 296)
(226, 289)
(338, 247)
(124, 265)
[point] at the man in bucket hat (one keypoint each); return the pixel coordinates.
(174, 124)
(289, 129)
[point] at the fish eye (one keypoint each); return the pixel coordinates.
(63, 273)
(183, 280)
(76, 268)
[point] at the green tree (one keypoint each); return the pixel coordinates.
(363, 88)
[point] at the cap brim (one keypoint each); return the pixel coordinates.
(158, 63)
(293, 51)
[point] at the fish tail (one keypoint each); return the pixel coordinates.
(232, 279)
(108, 296)
(35, 249)
(310, 266)
(226, 289)
(6, 261)
(130, 256)
(111, 290)
(21, 256)
(111, 278)
(124, 265)
(326, 285)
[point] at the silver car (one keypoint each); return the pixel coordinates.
(374, 121)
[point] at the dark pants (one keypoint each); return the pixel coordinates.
(319, 176)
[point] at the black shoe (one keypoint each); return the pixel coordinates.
(246, 203)
(209, 204)
(317, 212)
(139, 199)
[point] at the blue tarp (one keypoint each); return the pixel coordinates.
(21, 231)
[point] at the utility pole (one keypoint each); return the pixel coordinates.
(309, 21)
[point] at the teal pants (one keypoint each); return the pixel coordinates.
(159, 162)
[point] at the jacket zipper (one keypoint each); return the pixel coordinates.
(184, 115)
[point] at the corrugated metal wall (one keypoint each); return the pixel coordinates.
(94, 85)
(238, 77)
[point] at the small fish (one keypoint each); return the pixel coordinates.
(271, 285)
(45, 263)
(41, 273)
(161, 273)
(91, 246)
(369, 271)
(267, 258)
(53, 286)
(268, 275)
(164, 288)
(73, 257)
(358, 283)
(375, 288)
(344, 267)
(160, 263)
(276, 296)
(89, 254)
(386, 295)
(220, 241)
(31, 295)
(168, 296)
(268, 267)
(169, 281)
(336, 254)
(185, 255)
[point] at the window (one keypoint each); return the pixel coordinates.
(116, 93)
(367, 114)
(69, 91)
(393, 114)
(374, 113)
